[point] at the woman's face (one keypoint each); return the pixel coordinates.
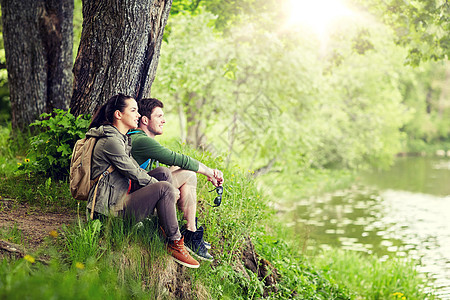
(129, 118)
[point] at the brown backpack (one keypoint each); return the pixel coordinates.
(80, 169)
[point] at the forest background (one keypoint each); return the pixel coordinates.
(284, 98)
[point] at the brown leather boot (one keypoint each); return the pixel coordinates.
(181, 255)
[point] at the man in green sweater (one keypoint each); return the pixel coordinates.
(147, 151)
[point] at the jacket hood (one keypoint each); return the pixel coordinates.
(103, 131)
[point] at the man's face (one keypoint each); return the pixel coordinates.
(156, 122)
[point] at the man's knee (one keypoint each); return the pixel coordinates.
(192, 178)
(189, 178)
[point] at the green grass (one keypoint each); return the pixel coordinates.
(116, 260)
(12, 234)
(22, 279)
(49, 194)
(370, 278)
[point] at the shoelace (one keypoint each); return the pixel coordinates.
(181, 248)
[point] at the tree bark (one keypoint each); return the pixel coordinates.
(119, 50)
(38, 41)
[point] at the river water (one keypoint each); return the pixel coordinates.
(402, 212)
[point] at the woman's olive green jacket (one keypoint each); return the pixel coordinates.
(113, 148)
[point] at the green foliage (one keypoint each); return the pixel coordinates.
(298, 278)
(371, 278)
(424, 90)
(13, 234)
(273, 102)
(13, 145)
(236, 285)
(8, 162)
(229, 13)
(82, 242)
(5, 106)
(23, 279)
(48, 193)
(51, 148)
(77, 26)
(422, 26)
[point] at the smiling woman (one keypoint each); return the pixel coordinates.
(317, 15)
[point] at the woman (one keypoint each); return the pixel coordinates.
(114, 196)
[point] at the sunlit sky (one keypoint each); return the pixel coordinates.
(318, 15)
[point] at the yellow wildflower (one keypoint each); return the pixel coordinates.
(53, 233)
(79, 265)
(19, 164)
(29, 258)
(27, 160)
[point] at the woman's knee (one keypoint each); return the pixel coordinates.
(162, 174)
(168, 191)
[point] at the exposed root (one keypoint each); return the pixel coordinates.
(260, 266)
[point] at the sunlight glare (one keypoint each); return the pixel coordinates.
(316, 14)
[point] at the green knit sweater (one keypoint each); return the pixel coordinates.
(146, 149)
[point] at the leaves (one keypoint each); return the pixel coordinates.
(421, 25)
(51, 148)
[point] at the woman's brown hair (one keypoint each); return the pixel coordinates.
(105, 114)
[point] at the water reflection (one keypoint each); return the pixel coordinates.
(403, 212)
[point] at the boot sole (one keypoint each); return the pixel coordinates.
(185, 264)
(198, 256)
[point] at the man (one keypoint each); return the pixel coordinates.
(146, 151)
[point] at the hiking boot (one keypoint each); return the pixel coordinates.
(180, 254)
(207, 245)
(196, 245)
(183, 230)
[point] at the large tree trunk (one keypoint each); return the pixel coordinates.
(38, 40)
(119, 50)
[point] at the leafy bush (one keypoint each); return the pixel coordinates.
(51, 148)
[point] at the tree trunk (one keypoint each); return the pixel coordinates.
(195, 121)
(119, 50)
(38, 42)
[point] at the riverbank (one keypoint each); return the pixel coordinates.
(252, 258)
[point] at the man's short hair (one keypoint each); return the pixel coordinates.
(147, 105)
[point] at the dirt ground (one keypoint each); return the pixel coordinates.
(32, 222)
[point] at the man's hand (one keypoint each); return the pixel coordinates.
(214, 176)
(217, 177)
